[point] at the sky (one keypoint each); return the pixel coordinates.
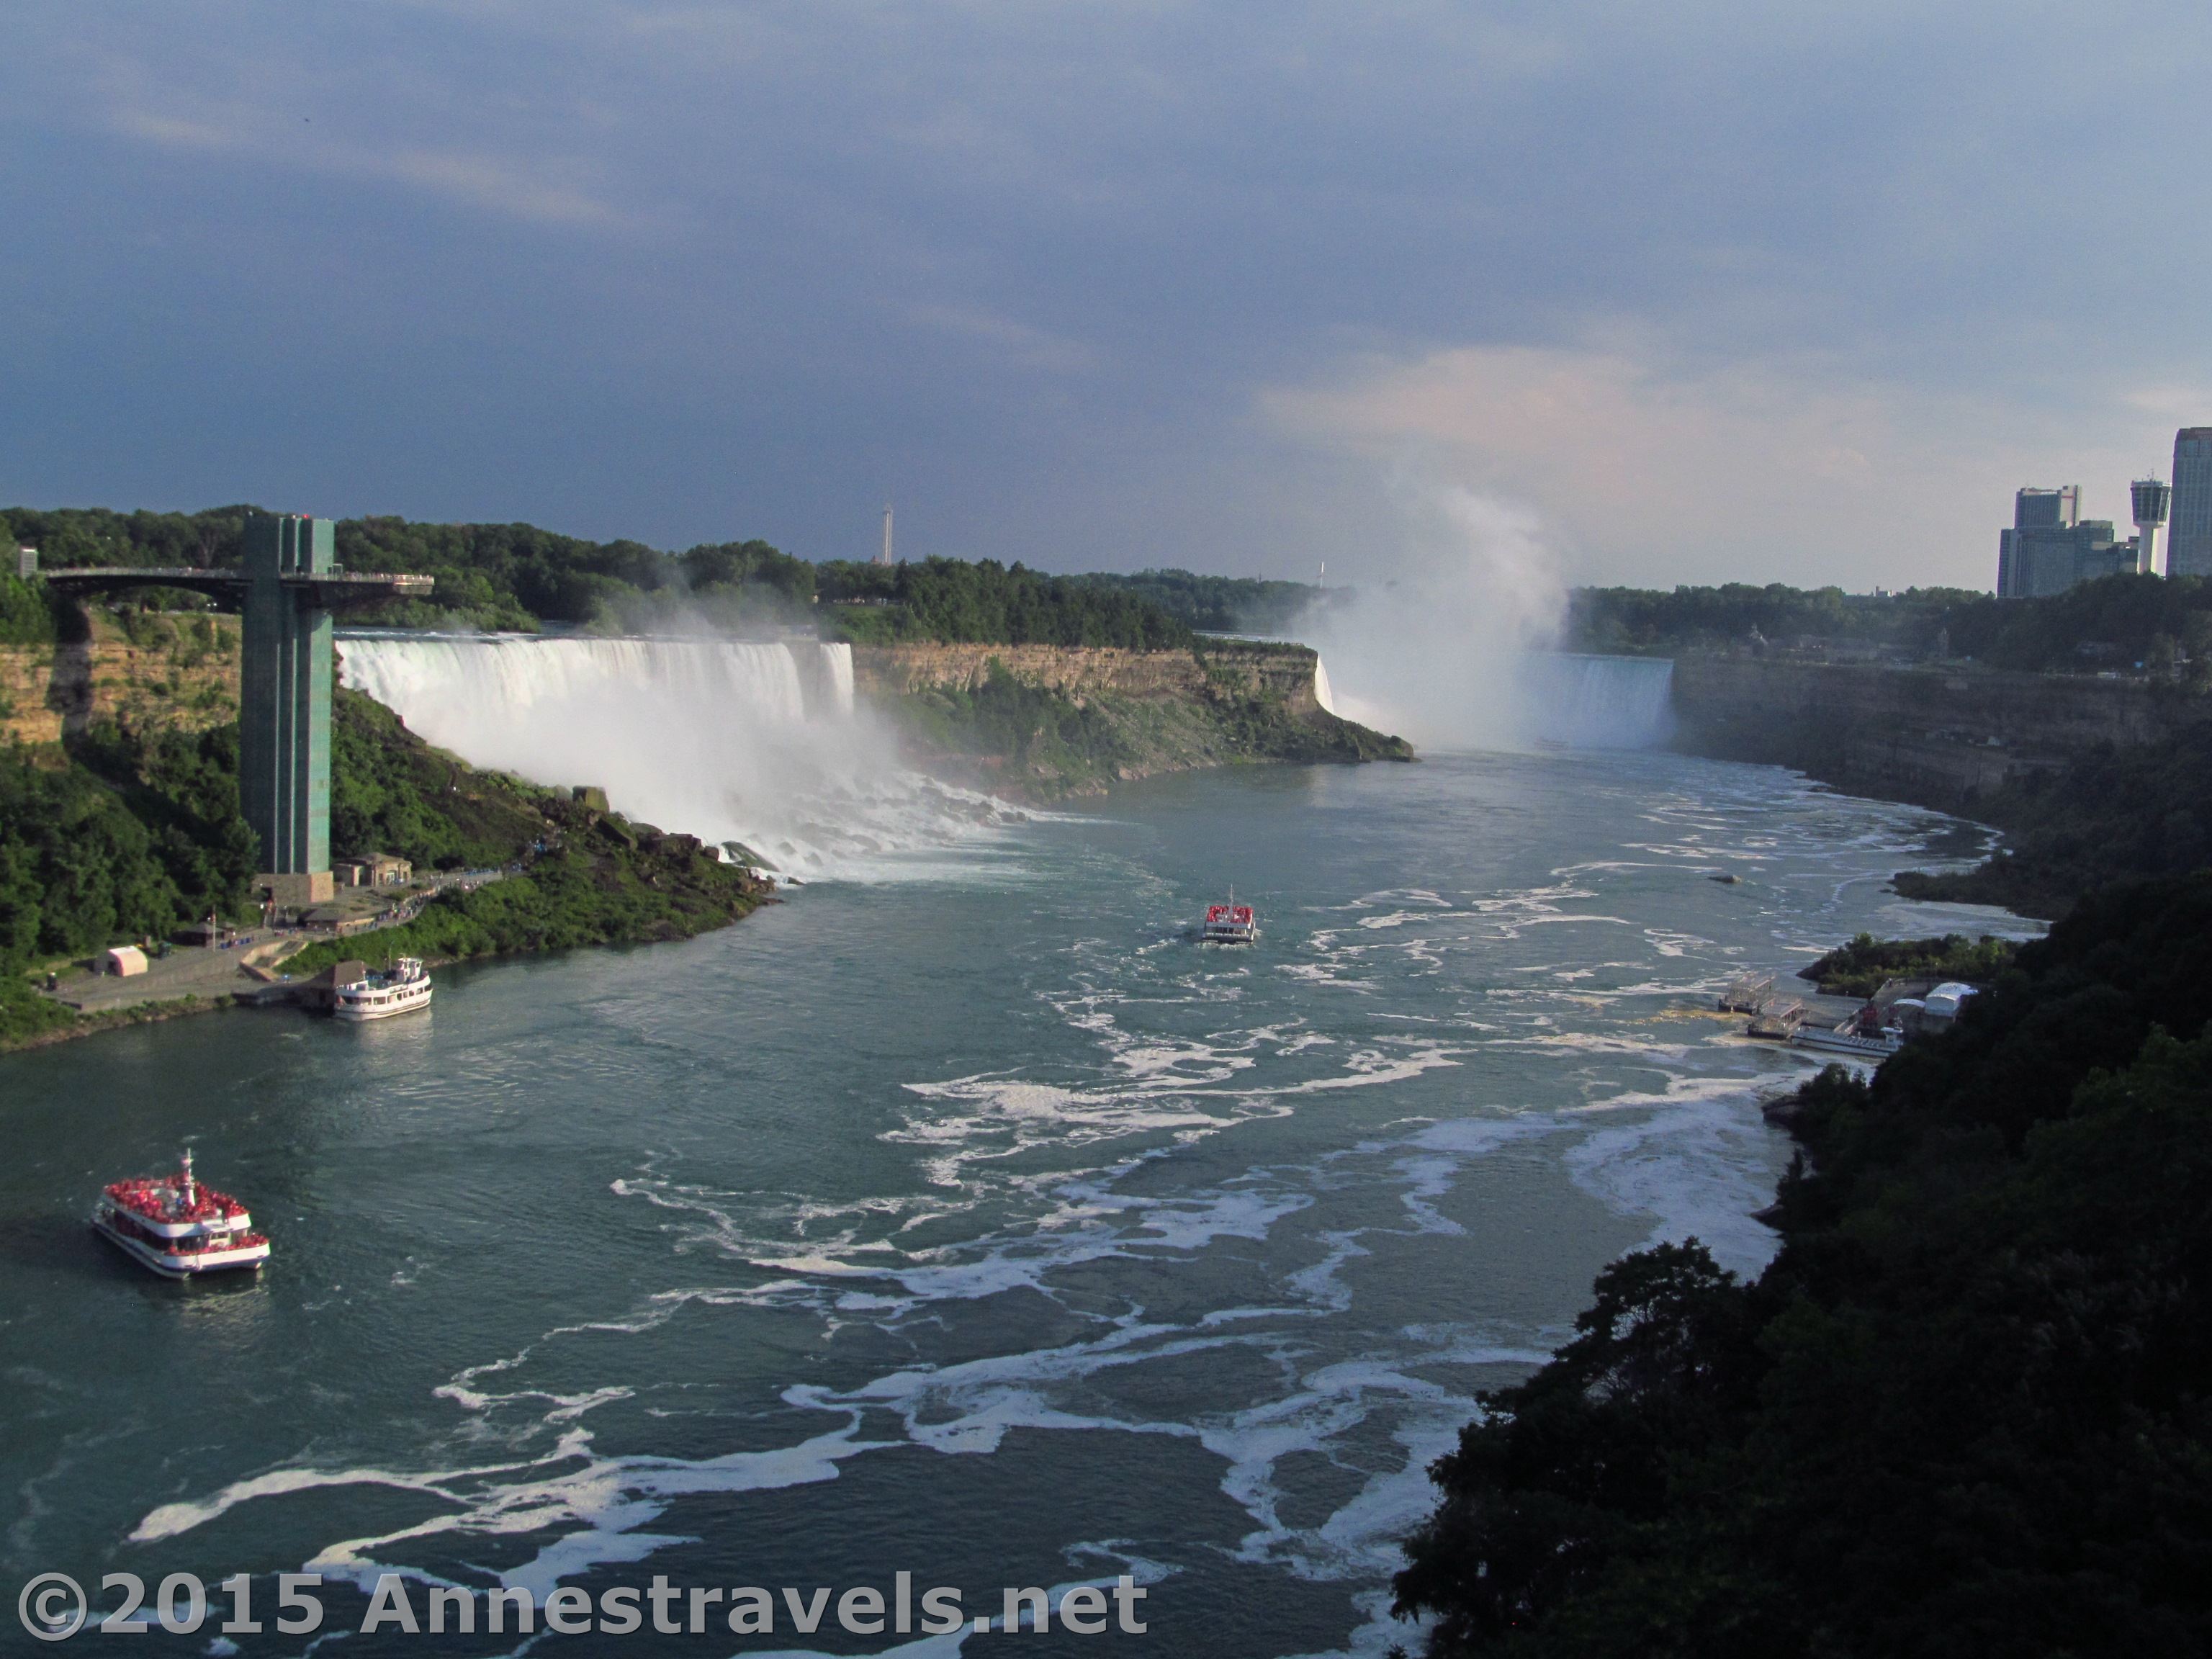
(1696, 292)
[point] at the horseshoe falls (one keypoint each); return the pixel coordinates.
(1597, 702)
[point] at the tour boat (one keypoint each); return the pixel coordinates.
(1229, 924)
(177, 1227)
(1867, 1034)
(401, 989)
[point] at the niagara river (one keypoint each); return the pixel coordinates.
(977, 1224)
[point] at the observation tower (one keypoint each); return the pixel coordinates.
(2150, 498)
(290, 584)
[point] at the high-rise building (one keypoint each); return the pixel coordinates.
(2188, 542)
(2047, 509)
(2050, 547)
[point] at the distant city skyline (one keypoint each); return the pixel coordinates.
(1114, 286)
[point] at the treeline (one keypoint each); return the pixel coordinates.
(988, 602)
(518, 577)
(1633, 621)
(1222, 605)
(1858, 969)
(2162, 626)
(1964, 1410)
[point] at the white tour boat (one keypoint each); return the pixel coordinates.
(1229, 924)
(1867, 1034)
(177, 1227)
(400, 989)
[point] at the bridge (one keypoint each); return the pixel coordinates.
(287, 588)
(333, 589)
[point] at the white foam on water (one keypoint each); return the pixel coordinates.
(1041, 1181)
(1698, 1158)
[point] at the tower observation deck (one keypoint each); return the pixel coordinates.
(288, 589)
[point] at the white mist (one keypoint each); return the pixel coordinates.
(754, 742)
(1429, 647)
(1449, 642)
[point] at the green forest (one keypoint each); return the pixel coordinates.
(1858, 969)
(988, 602)
(128, 837)
(1226, 605)
(1964, 1409)
(2121, 814)
(2159, 626)
(517, 577)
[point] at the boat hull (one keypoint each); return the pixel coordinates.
(246, 1258)
(405, 1003)
(1840, 1043)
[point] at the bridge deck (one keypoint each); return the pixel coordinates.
(332, 587)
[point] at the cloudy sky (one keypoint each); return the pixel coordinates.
(1703, 290)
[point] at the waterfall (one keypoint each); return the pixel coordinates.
(451, 680)
(1322, 694)
(837, 664)
(754, 742)
(1597, 702)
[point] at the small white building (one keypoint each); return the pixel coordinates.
(125, 960)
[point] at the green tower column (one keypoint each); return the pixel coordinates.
(284, 705)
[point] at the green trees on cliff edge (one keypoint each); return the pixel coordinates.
(1967, 1408)
(127, 835)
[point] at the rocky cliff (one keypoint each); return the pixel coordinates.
(1940, 736)
(145, 672)
(1052, 720)
(1081, 671)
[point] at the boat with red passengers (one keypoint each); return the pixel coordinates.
(1229, 924)
(177, 1226)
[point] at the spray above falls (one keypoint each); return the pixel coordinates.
(1445, 639)
(729, 741)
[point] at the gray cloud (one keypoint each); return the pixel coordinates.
(1112, 283)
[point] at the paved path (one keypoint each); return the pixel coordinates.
(206, 971)
(187, 970)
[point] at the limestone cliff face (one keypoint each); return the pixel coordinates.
(145, 671)
(1047, 721)
(1933, 736)
(1083, 672)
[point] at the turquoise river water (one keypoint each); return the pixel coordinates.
(978, 1225)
